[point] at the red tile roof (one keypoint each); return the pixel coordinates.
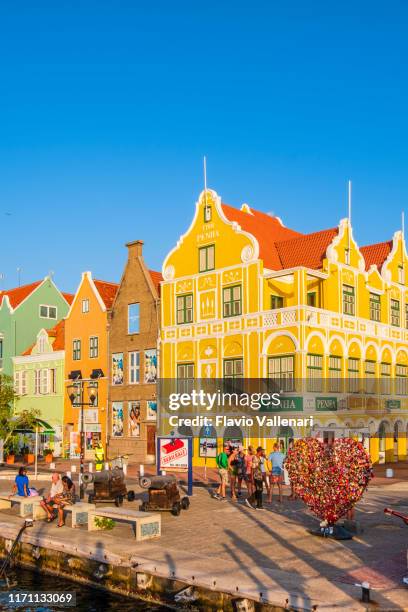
(17, 295)
(156, 278)
(308, 250)
(376, 254)
(281, 248)
(69, 297)
(107, 291)
(58, 333)
(267, 230)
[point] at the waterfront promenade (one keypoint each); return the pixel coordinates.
(264, 555)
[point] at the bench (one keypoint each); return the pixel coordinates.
(27, 504)
(79, 512)
(147, 525)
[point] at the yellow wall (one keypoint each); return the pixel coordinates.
(295, 329)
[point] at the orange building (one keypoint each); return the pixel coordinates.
(86, 364)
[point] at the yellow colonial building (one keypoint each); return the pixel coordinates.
(244, 296)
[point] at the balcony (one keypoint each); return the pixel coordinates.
(305, 316)
(317, 317)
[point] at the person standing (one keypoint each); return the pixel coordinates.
(99, 456)
(276, 459)
(222, 465)
(241, 468)
(233, 471)
(257, 481)
(248, 469)
(265, 472)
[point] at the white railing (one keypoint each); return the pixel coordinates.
(286, 317)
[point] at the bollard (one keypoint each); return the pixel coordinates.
(106, 466)
(73, 468)
(124, 468)
(389, 473)
(163, 472)
(52, 465)
(90, 467)
(365, 586)
(141, 470)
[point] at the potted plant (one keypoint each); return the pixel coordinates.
(27, 456)
(10, 457)
(47, 454)
(9, 452)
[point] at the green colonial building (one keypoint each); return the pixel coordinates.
(24, 311)
(39, 384)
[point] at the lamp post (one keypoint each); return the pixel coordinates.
(76, 396)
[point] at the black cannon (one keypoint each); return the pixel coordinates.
(164, 495)
(108, 485)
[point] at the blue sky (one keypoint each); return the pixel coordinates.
(106, 109)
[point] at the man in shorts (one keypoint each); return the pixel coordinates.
(222, 465)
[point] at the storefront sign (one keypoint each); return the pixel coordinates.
(393, 404)
(173, 453)
(287, 404)
(93, 427)
(324, 404)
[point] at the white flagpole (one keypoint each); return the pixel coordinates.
(205, 180)
(349, 214)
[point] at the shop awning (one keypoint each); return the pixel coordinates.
(43, 427)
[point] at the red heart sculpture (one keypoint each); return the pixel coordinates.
(330, 479)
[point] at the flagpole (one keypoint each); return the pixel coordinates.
(349, 214)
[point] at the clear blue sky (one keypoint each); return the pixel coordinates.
(106, 109)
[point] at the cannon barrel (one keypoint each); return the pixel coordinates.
(156, 482)
(104, 476)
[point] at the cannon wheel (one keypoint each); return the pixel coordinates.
(118, 500)
(131, 496)
(143, 507)
(176, 509)
(185, 503)
(91, 498)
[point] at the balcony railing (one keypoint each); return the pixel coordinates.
(286, 317)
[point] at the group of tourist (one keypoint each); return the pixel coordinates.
(237, 465)
(61, 493)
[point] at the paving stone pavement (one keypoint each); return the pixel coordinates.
(270, 551)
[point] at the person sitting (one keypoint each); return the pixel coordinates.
(55, 490)
(21, 485)
(66, 498)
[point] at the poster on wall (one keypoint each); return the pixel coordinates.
(150, 366)
(117, 419)
(117, 368)
(173, 453)
(74, 444)
(151, 412)
(134, 419)
(91, 415)
(208, 447)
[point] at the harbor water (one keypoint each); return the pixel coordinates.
(88, 599)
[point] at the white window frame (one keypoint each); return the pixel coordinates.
(85, 305)
(134, 368)
(133, 318)
(44, 381)
(93, 347)
(36, 382)
(48, 306)
(76, 348)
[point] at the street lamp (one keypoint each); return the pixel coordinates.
(76, 397)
